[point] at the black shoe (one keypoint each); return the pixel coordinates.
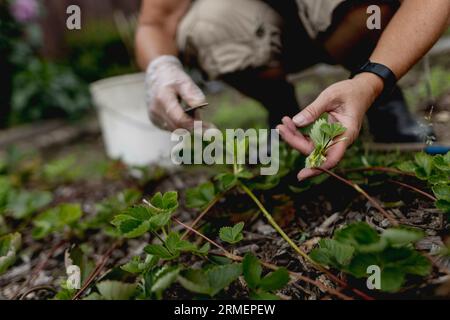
(391, 122)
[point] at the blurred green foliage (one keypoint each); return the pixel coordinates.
(97, 51)
(43, 90)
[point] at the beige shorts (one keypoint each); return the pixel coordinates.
(225, 36)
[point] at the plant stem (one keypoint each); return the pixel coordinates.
(388, 216)
(273, 223)
(294, 275)
(97, 270)
(202, 214)
(296, 248)
(405, 185)
(379, 169)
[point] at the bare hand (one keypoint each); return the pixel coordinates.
(345, 102)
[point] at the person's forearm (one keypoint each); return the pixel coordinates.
(151, 42)
(157, 28)
(412, 32)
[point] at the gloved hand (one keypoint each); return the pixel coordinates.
(166, 82)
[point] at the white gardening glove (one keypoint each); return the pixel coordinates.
(167, 82)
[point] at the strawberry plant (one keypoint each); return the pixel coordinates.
(232, 235)
(56, 219)
(323, 135)
(436, 171)
(356, 247)
(261, 287)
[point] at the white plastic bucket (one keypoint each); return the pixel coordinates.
(127, 131)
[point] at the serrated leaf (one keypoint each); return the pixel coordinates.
(116, 290)
(226, 181)
(333, 253)
(166, 202)
(316, 134)
(252, 270)
(201, 196)
(442, 192)
(195, 280)
(425, 165)
(211, 281)
(220, 277)
(275, 280)
(442, 162)
(160, 252)
(233, 234)
(175, 244)
(332, 130)
(159, 221)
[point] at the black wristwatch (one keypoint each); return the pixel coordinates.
(386, 74)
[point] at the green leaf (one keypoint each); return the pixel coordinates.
(175, 244)
(159, 221)
(166, 202)
(360, 262)
(9, 245)
(402, 236)
(392, 279)
(203, 250)
(233, 234)
(170, 200)
(136, 265)
(442, 192)
(161, 252)
(201, 196)
(316, 134)
(442, 163)
(56, 219)
(332, 253)
(195, 280)
(165, 279)
(226, 181)
(22, 203)
(443, 205)
(220, 277)
(407, 166)
(211, 281)
(252, 270)
(332, 130)
(360, 236)
(130, 227)
(275, 280)
(263, 295)
(425, 165)
(140, 213)
(116, 290)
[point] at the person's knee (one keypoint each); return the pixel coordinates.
(223, 37)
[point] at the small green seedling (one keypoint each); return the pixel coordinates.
(233, 234)
(322, 135)
(261, 287)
